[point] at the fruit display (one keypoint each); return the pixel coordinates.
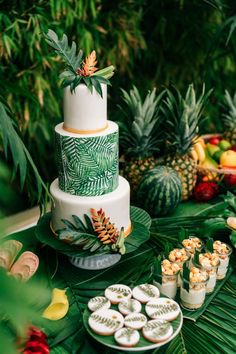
(182, 118)
(219, 153)
(139, 124)
(159, 191)
(205, 191)
(229, 118)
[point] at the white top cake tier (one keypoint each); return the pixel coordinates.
(85, 112)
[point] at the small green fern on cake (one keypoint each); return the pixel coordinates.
(77, 69)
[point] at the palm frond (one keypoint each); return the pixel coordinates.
(20, 155)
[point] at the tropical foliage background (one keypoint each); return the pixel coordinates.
(151, 43)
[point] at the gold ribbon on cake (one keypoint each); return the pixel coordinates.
(77, 131)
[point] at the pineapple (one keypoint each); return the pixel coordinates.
(229, 119)
(182, 118)
(139, 133)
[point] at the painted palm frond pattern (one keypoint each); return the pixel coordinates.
(87, 166)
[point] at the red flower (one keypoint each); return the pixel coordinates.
(36, 343)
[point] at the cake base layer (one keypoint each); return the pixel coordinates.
(116, 205)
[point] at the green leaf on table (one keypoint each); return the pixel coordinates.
(196, 257)
(167, 249)
(209, 245)
(232, 237)
(157, 269)
(20, 155)
(186, 274)
(183, 234)
(212, 227)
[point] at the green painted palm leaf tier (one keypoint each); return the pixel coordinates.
(140, 221)
(87, 166)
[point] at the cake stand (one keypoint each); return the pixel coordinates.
(140, 221)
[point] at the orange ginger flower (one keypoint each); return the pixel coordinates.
(89, 65)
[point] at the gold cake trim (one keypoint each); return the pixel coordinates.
(77, 131)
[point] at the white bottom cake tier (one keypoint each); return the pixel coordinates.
(116, 205)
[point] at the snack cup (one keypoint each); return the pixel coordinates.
(194, 298)
(212, 273)
(224, 262)
(167, 284)
(191, 249)
(180, 264)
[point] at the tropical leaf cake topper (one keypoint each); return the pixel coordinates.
(77, 69)
(96, 235)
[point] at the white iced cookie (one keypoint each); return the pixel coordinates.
(145, 293)
(127, 337)
(128, 306)
(105, 322)
(117, 293)
(157, 330)
(162, 309)
(99, 303)
(135, 320)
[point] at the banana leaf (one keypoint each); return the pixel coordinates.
(213, 332)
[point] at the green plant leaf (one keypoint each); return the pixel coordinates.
(209, 245)
(21, 156)
(186, 273)
(61, 47)
(232, 237)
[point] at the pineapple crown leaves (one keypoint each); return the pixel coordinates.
(140, 122)
(229, 118)
(183, 116)
(77, 69)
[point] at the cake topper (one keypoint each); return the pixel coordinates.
(77, 69)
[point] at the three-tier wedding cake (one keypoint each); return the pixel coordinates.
(87, 155)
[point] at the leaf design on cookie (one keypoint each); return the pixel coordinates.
(147, 290)
(98, 302)
(105, 321)
(121, 291)
(126, 333)
(136, 319)
(163, 309)
(161, 327)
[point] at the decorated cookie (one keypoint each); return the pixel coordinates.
(128, 306)
(162, 309)
(135, 320)
(145, 293)
(127, 337)
(157, 330)
(25, 266)
(99, 303)
(105, 322)
(117, 293)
